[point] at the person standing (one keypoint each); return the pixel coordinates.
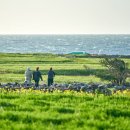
(51, 75)
(37, 76)
(28, 76)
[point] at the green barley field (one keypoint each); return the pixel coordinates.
(39, 110)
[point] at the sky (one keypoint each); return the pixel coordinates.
(64, 16)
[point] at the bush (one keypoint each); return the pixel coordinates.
(117, 68)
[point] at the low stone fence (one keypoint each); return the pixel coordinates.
(106, 89)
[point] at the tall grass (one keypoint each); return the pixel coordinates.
(37, 110)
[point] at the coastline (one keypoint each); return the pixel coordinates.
(71, 54)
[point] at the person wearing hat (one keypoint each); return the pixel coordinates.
(37, 76)
(28, 76)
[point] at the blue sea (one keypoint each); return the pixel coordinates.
(64, 44)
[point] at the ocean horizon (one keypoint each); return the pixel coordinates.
(108, 44)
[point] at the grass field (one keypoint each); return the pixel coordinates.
(34, 109)
(38, 110)
(67, 68)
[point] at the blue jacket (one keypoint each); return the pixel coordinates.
(51, 74)
(37, 75)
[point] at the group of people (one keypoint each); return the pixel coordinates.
(37, 76)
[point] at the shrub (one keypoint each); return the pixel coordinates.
(117, 68)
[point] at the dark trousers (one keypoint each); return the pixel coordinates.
(36, 83)
(50, 81)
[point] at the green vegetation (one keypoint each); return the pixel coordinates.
(68, 68)
(118, 70)
(28, 109)
(34, 109)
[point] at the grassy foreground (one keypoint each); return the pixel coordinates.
(37, 110)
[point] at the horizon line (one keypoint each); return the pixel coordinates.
(64, 33)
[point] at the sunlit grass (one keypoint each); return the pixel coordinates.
(67, 69)
(28, 109)
(35, 109)
(84, 79)
(58, 79)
